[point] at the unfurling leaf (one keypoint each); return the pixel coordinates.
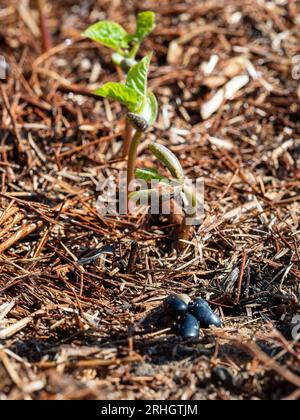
(145, 25)
(121, 93)
(141, 103)
(147, 115)
(150, 109)
(108, 33)
(148, 175)
(168, 159)
(137, 78)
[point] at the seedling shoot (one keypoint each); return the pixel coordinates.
(125, 47)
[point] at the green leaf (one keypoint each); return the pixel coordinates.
(150, 109)
(148, 175)
(121, 93)
(134, 93)
(168, 159)
(145, 25)
(108, 33)
(137, 78)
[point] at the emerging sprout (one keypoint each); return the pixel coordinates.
(168, 159)
(125, 47)
(142, 110)
(163, 188)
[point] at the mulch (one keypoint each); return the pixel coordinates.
(80, 294)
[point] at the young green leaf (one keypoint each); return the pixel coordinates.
(168, 159)
(108, 33)
(148, 175)
(145, 25)
(137, 78)
(150, 109)
(121, 93)
(146, 115)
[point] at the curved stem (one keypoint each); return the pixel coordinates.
(132, 157)
(120, 73)
(134, 50)
(185, 228)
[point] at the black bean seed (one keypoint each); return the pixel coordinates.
(204, 314)
(176, 305)
(189, 327)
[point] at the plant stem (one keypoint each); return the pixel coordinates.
(132, 157)
(120, 73)
(128, 127)
(134, 50)
(47, 40)
(127, 138)
(185, 228)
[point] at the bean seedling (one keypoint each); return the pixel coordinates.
(140, 103)
(142, 109)
(168, 189)
(125, 47)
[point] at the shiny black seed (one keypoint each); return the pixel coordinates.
(185, 298)
(189, 327)
(204, 314)
(200, 302)
(175, 305)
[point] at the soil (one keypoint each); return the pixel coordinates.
(80, 293)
